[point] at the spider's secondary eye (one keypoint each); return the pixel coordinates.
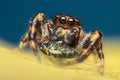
(62, 19)
(70, 21)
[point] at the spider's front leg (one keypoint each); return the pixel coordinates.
(93, 41)
(31, 35)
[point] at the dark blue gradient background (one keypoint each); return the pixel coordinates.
(94, 14)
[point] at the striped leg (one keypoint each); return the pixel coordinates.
(90, 44)
(29, 37)
(32, 36)
(23, 42)
(34, 30)
(101, 56)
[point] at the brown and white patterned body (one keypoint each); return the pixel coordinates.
(62, 37)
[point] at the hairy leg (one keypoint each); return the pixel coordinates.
(23, 42)
(101, 56)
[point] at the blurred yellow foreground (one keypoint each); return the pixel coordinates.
(25, 66)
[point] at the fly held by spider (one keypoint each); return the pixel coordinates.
(62, 37)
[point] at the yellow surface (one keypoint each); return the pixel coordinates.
(24, 66)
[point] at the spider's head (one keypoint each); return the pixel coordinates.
(66, 21)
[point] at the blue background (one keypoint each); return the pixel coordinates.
(94, 14)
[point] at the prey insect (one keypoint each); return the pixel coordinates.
(62, 37)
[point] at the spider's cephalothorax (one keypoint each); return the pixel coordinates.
(66, 21)
(62, 37)
(68, 27)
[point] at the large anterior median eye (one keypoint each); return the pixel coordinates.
(70, 21)
(62, 19)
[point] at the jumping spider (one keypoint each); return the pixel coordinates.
(62, 37)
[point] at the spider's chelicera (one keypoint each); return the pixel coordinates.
(62, 37)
